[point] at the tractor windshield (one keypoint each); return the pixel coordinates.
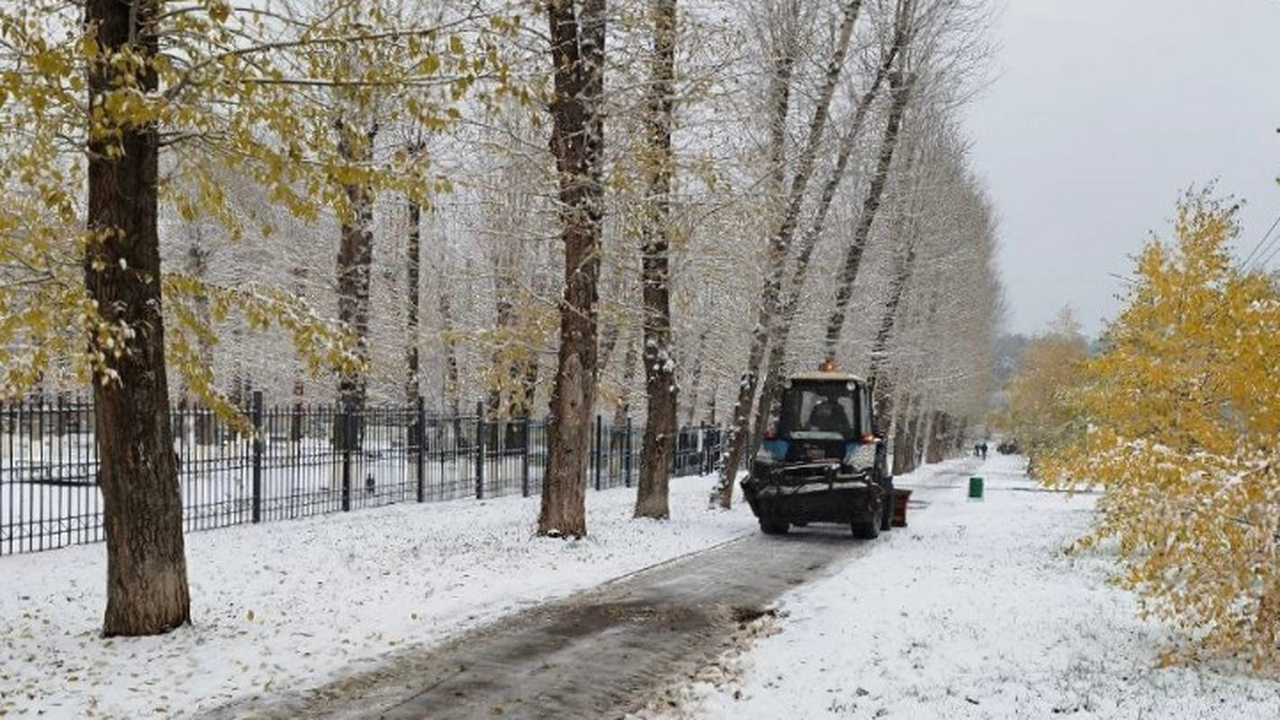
(818, 413)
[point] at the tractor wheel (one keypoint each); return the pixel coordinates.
(770, 527)
(867, 527)
(886, 505)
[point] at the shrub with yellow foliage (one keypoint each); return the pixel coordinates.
(1040, 414)
(1184, 434)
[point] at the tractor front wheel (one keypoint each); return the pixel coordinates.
(867, 527)
(772, 527)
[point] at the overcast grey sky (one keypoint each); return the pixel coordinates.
(1099, 113)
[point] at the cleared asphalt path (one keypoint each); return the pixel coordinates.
(597, 655)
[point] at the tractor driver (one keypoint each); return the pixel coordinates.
(829, 416)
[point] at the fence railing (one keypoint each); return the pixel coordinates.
(299, 461)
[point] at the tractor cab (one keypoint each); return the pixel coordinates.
(823, 416)
(820, 461)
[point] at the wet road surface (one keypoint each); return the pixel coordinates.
(599, 654)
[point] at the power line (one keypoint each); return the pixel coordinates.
(1256, 248)
(1263, 263)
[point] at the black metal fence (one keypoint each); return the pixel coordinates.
(298, 461)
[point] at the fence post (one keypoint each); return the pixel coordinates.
(259, 445)
(480, 450)
(346, 422)
(420, 438)
(704, 449)
(599, 447)
(713, 447)
(3, 494)
(626, 457)
(524, 458)
(673, 462)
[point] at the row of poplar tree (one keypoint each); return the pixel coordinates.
(536, 202)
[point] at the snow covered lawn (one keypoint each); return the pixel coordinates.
(973, 612)
(284, 606)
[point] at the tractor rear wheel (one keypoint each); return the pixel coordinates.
(867, 527)
(886, 505)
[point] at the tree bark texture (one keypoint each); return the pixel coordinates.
(577, 141)
(903, 267)
(695, 382)
(771, 394)
(904, 440)
(147, 590)
(659, 361)
(901, 91)
(936, 439)
(355, 262)
(780, 242)
(735, 439)
(451, 382)
(413, 306)
(622, 408)
(204, 431)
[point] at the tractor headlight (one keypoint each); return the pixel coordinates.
(772, 452)
(860, 456)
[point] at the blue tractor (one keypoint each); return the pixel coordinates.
(821, 462)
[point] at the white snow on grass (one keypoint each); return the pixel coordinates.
(974, 611)
(287, 606)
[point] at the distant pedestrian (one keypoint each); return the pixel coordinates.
(983, 448)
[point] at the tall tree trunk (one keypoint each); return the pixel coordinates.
(297, 416)
(901, 90)
(355, 263)
(901, 433)
(413, 293)
(413, 312)
(147, 590)
(452, 390)
(905, 226)
(622, 408)
(198, 266)
(915, 433)
(882, 385)
(937, 432)
(780, 109)
(502, 368)
(532, 366)
(780, 241)
(771, 394)
(659, 363)
(608, 342)
(695, 381)
(577, 141)
(529, 387)
(297, 429)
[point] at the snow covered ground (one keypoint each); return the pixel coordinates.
(973, 612)
(291, 605)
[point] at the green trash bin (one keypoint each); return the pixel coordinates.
(975, 488)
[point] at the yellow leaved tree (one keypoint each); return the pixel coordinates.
(111, 109)
(1184, 434)
(1040, 414)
